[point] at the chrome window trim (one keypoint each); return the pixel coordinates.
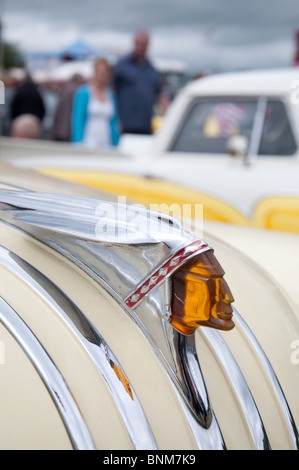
(57, 387)
(285, 101)
(92, 342)
(272, 378)
(257, 129)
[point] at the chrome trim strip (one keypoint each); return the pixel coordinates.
(206, 439)
(240, 387)
(51, 377)
(94, 345)
(194, 399)
(272, 377)
(178, 357)
(8, 185)
(108, 240)
(94, 219)
(191, 378)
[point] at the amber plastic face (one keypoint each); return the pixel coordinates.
(201, 297)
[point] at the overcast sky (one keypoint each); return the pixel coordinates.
(217, 34)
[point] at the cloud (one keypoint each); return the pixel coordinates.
(206, 33)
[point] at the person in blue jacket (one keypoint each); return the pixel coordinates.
(95, 120)
(138, 88)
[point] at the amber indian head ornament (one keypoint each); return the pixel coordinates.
(201, 296)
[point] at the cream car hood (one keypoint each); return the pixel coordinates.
(274, 252)
(237, 375)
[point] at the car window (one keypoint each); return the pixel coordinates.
(277, 137)
(210, 123)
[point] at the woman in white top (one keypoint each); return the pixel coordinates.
(94, 119)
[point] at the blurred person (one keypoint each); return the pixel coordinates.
(26, 126)
(137, 86)
(296, 58)
(94, 116)
(200, 74)
(61, 129)
(27, 100)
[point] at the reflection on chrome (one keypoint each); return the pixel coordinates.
(178, 356)
(189, 368)
(240, 387)
(69, 224)
(94, 345)
(53, 380)
(272, 378)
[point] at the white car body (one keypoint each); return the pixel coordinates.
(243, 184)
(222, 175)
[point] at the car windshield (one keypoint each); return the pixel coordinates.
(211, 122)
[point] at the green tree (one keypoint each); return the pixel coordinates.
(12, 57)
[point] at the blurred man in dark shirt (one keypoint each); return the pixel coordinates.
(137, 86)
(27, 100)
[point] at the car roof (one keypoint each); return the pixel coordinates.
(255, 82)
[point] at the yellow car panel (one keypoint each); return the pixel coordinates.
(149, 191)
(275, 213)
(278, 213)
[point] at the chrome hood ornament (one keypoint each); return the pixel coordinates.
(132, 253)
(128, 247)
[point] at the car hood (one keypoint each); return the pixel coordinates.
(247, 367)
(271, 251)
